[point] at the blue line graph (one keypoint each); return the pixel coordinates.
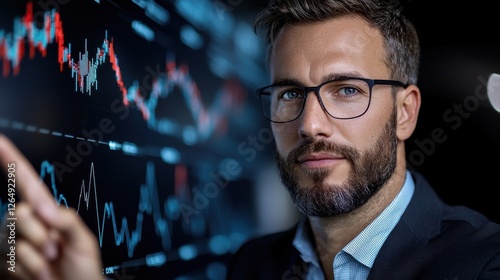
(148, 204)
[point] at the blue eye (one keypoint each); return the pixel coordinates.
(289, 95)
(348, 91)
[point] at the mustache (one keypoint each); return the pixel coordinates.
(325, 146)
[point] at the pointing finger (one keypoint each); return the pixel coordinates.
(28, 183)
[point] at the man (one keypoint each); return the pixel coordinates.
(343, 100)
(341, 155)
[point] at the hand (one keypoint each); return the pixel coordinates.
(51, 242)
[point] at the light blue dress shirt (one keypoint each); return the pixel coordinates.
(356, 259)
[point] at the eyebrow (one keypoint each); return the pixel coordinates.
(338, 76)
(325, 79)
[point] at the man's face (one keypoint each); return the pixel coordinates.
(333, 166)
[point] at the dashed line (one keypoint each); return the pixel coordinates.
(18, 125)
(127, 148)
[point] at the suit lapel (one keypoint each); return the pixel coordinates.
(419, 223)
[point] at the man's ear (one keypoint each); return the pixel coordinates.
(408, 106)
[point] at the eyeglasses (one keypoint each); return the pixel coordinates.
(344, 98)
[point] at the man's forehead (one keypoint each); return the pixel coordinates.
(344, 46)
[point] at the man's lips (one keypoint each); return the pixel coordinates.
(320, 160)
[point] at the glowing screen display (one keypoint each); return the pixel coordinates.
(140, 115)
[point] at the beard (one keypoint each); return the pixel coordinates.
(369, 172)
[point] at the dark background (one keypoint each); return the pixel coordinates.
(460, 50)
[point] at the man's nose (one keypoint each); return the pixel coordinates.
(314, 121)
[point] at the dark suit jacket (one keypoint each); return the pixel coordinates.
(431, 241)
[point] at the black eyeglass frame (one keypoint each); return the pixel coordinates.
(371, 82)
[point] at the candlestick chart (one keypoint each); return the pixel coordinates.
(133, 116)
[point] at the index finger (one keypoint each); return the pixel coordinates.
(28, 183)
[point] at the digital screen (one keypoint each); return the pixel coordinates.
(141, 116)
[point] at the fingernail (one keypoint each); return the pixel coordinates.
(50, 251)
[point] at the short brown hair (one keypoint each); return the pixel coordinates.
(402, 48)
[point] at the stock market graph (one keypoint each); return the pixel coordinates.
(139, 115)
